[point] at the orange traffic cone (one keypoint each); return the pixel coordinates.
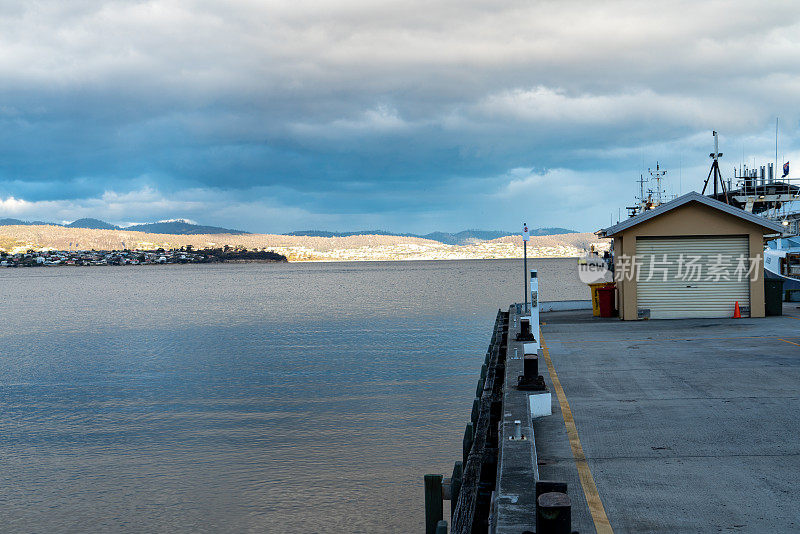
(736, 313)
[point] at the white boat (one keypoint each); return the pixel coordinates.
(782, 261)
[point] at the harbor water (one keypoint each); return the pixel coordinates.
(242, 398)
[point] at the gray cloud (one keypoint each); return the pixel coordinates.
(405, 115)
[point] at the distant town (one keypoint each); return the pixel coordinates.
(85, 258)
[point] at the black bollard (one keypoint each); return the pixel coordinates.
(530, 379)
(525, 333)
(546, 486)
(441, 527)
(530, 367)
(553, 513)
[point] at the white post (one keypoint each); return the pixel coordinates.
(541, 403)
(525, 237)
(535, 306)
(716, 145)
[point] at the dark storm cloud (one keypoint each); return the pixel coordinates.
(405, 115)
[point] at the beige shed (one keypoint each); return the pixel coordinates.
(691, 257)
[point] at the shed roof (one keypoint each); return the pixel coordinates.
(693, 196)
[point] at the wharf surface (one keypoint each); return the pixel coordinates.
(679, 425)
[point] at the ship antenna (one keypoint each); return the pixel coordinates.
(776, 146)
(641, 187)
(715, 170)
(658, 174)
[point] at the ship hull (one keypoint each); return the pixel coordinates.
(788, 282)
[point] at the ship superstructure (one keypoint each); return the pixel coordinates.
(761, 192)
(652, 197)
(758, 190)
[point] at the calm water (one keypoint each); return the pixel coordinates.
(240, 398)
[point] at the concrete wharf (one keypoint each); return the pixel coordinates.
(687, 425)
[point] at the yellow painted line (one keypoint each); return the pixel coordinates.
(601, 523)
(792, 342)
(792, 317)
(665, 339)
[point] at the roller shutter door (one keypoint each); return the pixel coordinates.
(692, 276)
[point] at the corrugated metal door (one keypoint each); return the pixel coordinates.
(692, 276)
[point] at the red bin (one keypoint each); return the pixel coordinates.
(606, 297)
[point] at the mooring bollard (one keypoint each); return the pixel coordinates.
(553, 513)
(455, 485)
(441, 527)
(530, 379)
(546, 486)
(530, 366)
(525, 332)
(433, 502)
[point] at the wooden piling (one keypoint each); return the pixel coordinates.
(433, 503)
(476, 409)
(467, 443)
(455, 485)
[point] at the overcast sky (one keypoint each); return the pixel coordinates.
(272, 116)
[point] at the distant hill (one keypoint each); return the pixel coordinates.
(19, 238)
(17, 222)
(92, 224)
(552, 231)
(181, 227)
(464, 237)
(325, 233)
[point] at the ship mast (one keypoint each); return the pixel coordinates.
(657, 175)
(715, 170)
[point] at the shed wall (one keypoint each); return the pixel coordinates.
(693, 219)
